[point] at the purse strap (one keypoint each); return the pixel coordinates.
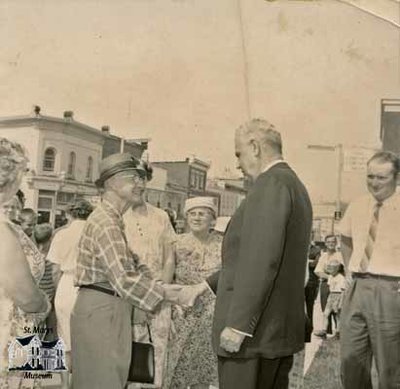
(148, 329)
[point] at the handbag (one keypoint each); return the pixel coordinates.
(142, 368)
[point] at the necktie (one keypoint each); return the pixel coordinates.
(369, 247)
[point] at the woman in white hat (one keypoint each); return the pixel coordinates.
(191, 360)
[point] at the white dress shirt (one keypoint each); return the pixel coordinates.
(324, 259)
(385, 258)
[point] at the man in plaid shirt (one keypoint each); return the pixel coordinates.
(111, 282)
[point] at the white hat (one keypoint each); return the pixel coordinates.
(222, 223)
(203, 202)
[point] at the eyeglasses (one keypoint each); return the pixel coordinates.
(135, 178)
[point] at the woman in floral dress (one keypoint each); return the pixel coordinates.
(191, 360)
(21, 301)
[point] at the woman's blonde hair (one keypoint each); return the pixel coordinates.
(13, 159)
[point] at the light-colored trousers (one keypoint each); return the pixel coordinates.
(101, 335)
(371, 327)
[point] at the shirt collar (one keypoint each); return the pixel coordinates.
(110, 208)
(273, 163)
(388, 201)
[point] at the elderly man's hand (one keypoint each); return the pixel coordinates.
(231, 340)
(189, 294)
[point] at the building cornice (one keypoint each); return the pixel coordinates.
(38, 120)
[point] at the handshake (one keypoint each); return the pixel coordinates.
(183, 295)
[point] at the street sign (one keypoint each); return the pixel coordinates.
(355, 158)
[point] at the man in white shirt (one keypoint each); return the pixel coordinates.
(331, 254)
(371, 309)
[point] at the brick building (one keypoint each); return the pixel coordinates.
(184, 179)
(231, 192)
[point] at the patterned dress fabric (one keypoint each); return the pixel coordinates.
(191, 359)
(12, 319)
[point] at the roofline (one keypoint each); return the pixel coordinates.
(188, 161)
(138, 140)
(15, 120)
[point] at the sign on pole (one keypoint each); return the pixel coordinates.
(355, 158)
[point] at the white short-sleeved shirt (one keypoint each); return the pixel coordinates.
(337, 283)
(385, 259)
(324, 259)
(147, 234)
(64, 246)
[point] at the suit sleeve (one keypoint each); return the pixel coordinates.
(261, 246)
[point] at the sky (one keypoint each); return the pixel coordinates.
(186, 73)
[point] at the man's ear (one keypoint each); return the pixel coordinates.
(255, 147)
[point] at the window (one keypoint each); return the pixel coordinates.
(193, 179)
(89, 170)
(49, 160)
(71, 165)
(202, 179)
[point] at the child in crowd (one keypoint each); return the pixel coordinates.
(28, 220)
(337, 285)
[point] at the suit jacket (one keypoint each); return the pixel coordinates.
(260, 288)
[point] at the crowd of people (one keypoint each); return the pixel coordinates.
(224, 304)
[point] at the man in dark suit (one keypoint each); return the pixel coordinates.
(259, 316)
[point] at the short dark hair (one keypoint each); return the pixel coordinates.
(81, 209)
(43, 232)
(27, 212)
(387, 157)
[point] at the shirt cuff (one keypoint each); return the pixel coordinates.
(208, 287)
(241, 333)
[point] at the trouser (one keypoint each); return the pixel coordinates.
(101, 340)
(324, 294)
(311, 292)
(370, 326)
(255, 373)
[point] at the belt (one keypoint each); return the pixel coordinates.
(376, 276)
(100, 289)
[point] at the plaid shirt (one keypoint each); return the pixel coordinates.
(104, 258)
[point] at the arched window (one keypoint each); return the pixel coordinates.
(49, 160)
(89, 170)
(71, 165)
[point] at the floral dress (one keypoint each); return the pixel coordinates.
(191, 359)
(12, 319)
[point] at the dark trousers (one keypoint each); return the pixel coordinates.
(257, 373)
(324, 294)
(311, 293)
(370, 326)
